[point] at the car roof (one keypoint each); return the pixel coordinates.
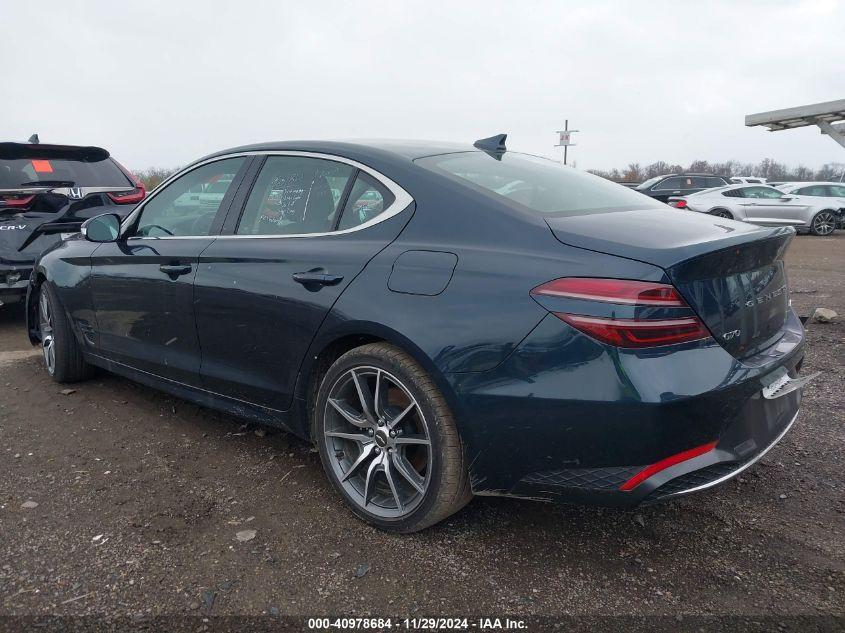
(809, 183)
(405, 150)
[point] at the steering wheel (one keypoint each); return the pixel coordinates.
(202, 224)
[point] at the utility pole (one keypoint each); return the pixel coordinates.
(565, 139)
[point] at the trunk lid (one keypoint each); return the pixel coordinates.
(731, 273)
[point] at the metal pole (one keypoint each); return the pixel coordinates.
(565, 147)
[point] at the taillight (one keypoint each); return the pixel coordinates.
(638, 333)
(667, 329)
(642, 293)
(130, 197)
(17, 201)
(678, 204)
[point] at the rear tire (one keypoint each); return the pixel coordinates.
(60, 348)
(388, 441)
(722, 213)
(823, 223)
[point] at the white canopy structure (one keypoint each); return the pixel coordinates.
(828, 116)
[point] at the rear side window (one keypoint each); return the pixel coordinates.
(60, 172)
(367, 200)
(712, 181)
(536, 184)
(295, 195)
(733, 193)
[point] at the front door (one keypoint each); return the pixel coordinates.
(142, 285)
(768, 205)
(308, 227)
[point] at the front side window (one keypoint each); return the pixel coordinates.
(295, 195)
(188, 205)
(815, 190)
(837, 191)
(670, 183)
(762, 192)
(537, 184)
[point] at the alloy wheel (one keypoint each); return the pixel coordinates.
(824, 223)
(48, 341)
(378, 442)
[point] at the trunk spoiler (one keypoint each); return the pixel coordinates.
(91, 154)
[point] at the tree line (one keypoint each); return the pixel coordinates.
(152, 177)
(766, 168)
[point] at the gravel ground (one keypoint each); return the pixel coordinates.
(140, 498)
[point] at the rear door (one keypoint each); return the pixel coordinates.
(308, 226)
(142, 285)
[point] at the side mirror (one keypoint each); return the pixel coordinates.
(102, 228)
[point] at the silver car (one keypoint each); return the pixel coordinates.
(760, 204)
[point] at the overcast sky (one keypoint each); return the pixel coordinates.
(162, 83)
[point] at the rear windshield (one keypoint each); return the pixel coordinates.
(62, 172)
(539, 184)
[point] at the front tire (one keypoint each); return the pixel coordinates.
(388, 441)
(823, 223)
(62, 355)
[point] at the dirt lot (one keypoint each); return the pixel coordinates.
(140, 496)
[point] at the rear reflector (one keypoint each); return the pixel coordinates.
(663, 464)
(625, 291)
(638, 332)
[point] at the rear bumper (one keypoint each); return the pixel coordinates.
(14, 279)
(568, 419)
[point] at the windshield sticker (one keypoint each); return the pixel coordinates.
(42, 166)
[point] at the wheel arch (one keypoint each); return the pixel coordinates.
(716, 209)
(37, 280)
(331, 345)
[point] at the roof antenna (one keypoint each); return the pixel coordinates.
(494, 145)
(34, 139)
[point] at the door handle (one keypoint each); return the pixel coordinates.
(317, 278)
(175, 270)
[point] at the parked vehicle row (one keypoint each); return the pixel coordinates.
(441, 321)
(768, 206)
(47, 191)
